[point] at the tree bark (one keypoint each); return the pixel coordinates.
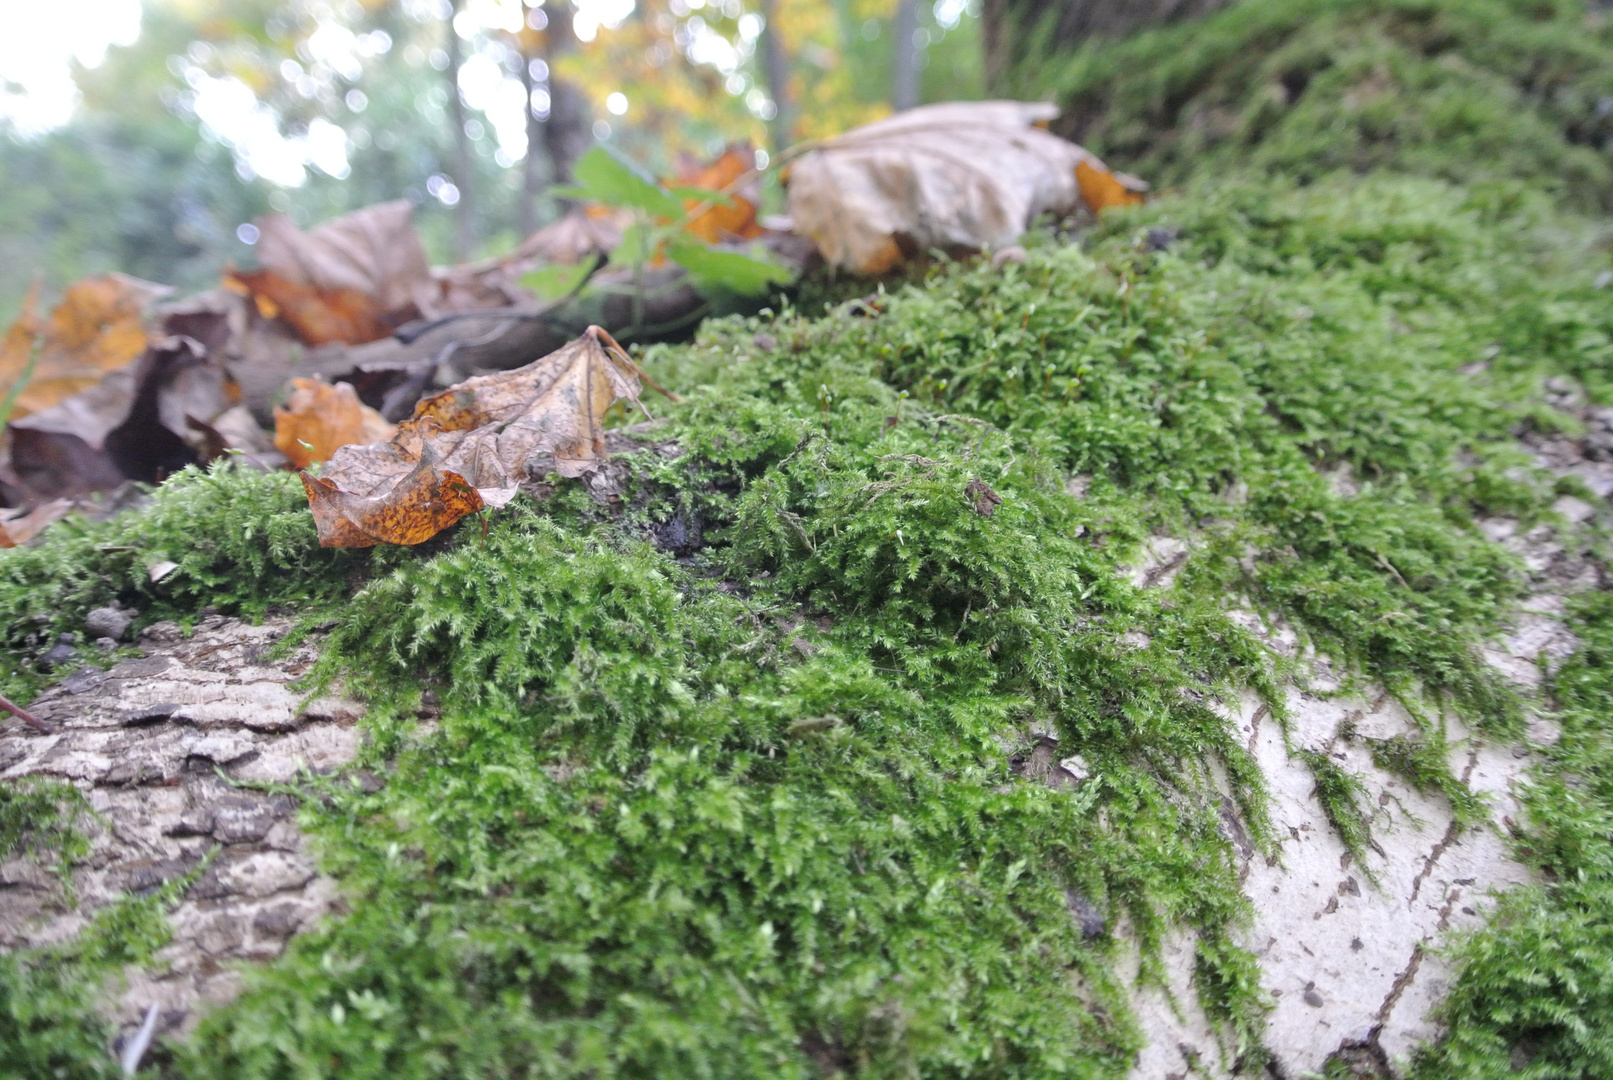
(904, 56)
(566, 134)
(1005, 25)
(776, 66)
(465, 221)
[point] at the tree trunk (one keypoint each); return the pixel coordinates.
(1005, 25)
(532, 163)
(904, 56)
(566, 135)
(776, 66)
(465, 233)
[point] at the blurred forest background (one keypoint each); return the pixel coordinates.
(184, 119)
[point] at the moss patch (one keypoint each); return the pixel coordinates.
(755, 802)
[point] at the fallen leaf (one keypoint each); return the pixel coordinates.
(319, 316)
(732, 217)
(97, 329)
(1101, 189)
(135, 424)
(353, 279)
(575, 238)
(320, 419)
(19, 526)
(471, 445)
(984, 499)
(959, 176)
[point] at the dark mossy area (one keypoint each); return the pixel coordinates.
(1469, 91)
(728, 779)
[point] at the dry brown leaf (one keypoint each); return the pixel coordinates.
(320, 419)
(735, 218)
(352, 279)
(319, 317)
(19, 526)
(581, 234)
(95, 330)
(137, 423)
(471, 446)
(955, 176)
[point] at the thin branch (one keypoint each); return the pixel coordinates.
(23, 714)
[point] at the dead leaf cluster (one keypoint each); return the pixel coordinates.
(332, 350)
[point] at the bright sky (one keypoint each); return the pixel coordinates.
(41, 40)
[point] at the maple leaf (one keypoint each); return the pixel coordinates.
(955, 176)
(471, 445)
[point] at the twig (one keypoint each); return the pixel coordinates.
(409, 333)
(139, 1043)
(23, 714)
(604, 338)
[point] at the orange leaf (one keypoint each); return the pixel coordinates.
(471, 445)
(420, 505)
(321, 419)
(94, 331)
(318, 316)
(733, 219)
(1101, 189)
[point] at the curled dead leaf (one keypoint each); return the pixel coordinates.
(472, 445)
(320, 419)
(984, 500)
(954, 176)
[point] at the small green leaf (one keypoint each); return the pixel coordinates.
(731, 271)
(606, 178)
(553, 282)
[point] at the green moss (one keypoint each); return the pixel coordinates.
(760, 806)
(1536, 985)
(49, 1026)
(1470, 91)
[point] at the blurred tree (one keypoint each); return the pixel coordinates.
(224, 109)
(465, 212)
(1008, 26)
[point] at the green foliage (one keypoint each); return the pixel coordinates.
(1464, 90)
(49, 1026)
(605, 177)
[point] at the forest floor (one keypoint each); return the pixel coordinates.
(893, 711)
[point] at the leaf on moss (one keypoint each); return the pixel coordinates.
(321, 419)
(958, 176)
(471, 445)
(1101, 189)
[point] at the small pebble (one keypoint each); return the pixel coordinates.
(63, 651)
(108, 622)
